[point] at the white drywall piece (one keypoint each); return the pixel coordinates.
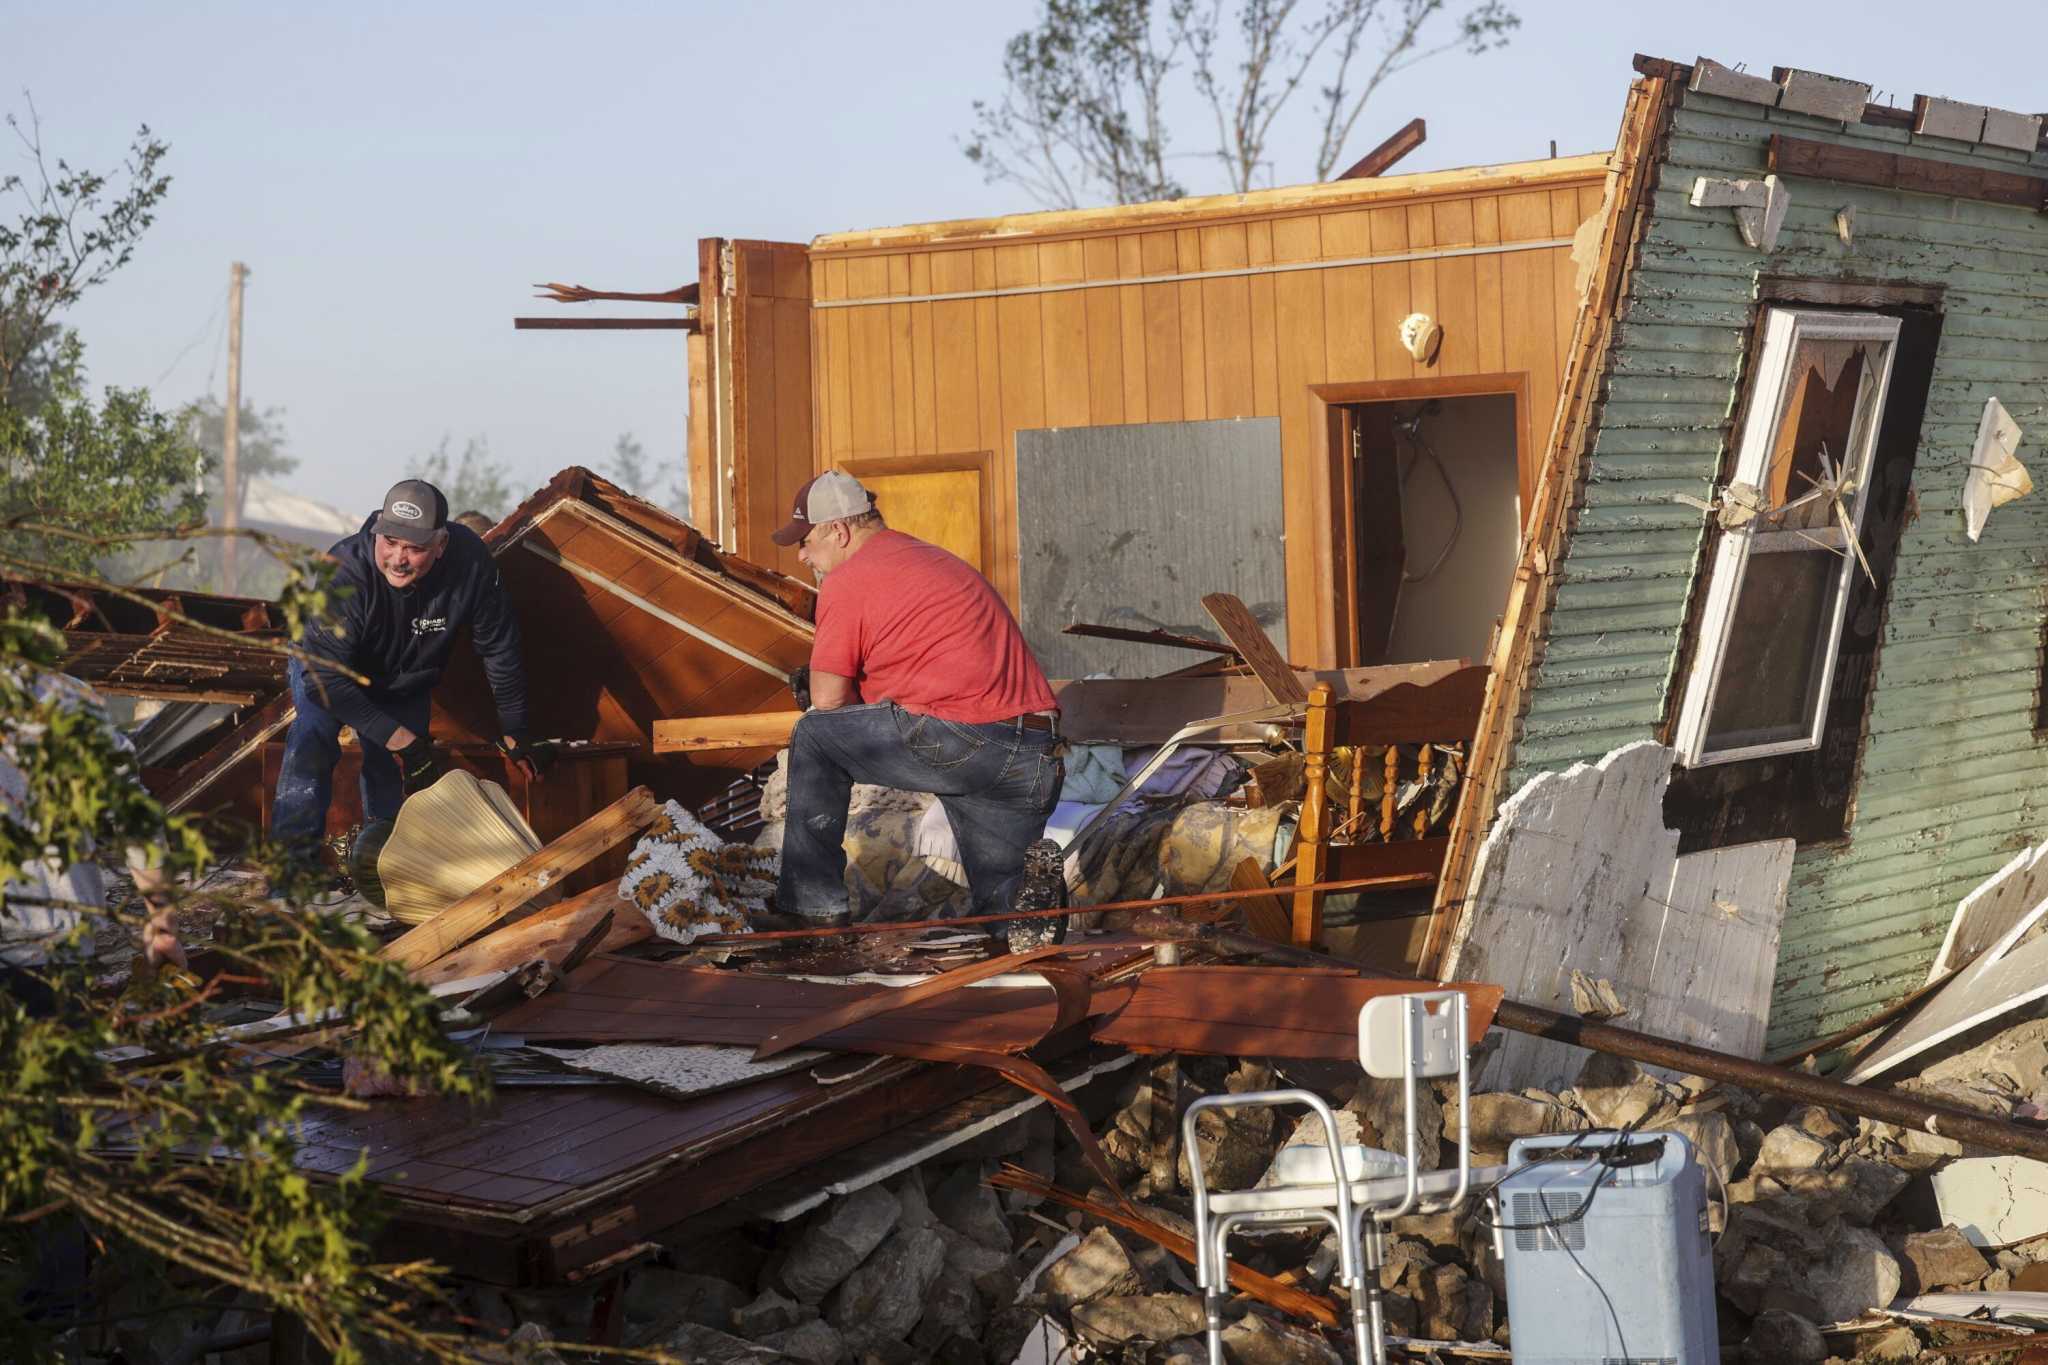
(1809, 92)
(1580, 874)
(1935, 117)
(686, 1070)
(1711, 78)
(2003, 977)
(2003, 128)
(1996, 475)
(1759, 206)
(1994, 1200)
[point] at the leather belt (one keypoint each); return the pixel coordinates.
(1038, 720)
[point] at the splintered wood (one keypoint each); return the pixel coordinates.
(1580, 875)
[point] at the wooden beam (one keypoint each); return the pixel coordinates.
(604, 324)
(550, 934)
(698, 734)
(1148, 637)
(500, 900)
(1437, 713)
(1899, 171)
(1243, 630)
(1375, 162)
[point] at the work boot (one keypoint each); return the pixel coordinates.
(1043, 886)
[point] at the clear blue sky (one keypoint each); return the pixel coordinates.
(396, 176)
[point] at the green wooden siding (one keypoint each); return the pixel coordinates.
(1953, 777)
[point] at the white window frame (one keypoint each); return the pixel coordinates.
(1784, 330)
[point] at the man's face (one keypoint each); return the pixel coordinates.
(825, 548)
(403, 564)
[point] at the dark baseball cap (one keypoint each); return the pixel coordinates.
(413, 510)
(825, 497)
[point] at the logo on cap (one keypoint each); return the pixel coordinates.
(409, 510)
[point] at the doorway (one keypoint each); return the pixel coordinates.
(1434, 488)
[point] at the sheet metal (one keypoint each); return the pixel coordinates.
(1104, 514)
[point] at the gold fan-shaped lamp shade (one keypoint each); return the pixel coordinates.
(450, 839)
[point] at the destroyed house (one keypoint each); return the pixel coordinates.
(1687, 464)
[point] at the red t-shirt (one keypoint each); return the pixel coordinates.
(914, 624)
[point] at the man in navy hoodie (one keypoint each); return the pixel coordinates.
(408, 582)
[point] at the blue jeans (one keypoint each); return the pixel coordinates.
(312, 746)
(997, 782)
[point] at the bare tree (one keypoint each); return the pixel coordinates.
(1082, 114)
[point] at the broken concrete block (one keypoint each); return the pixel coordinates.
(702, 1345)
(1498, 1119)
(965, 1204)
(1236, 1147)
(1379, 1106)
(1595, 997)
(1139, 1317)
(815, 1342)
(885, 1295)
(1942, 1259)
(952, 1308)
(1858, 1189)
(1713, 1141)
(1952, 119)
(1257, 1340)
(657, 1294)
(770, 1313)
(1784, 1338)
(1405, 1261)
(1456, 1306)
(2019, 132)
(1099, 1267)
(1787, 1148)
(1810, 92)
(1859, 1273)
(914, 1206)
(1615, 1093)
(837, 1242)
(1712, 78)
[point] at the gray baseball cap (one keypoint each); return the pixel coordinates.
(825, 497)
(413, 510)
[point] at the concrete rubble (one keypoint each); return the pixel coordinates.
(1826, 1219)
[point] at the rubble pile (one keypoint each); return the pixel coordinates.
(1817, 1216)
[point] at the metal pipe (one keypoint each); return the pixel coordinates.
(1884, 1106)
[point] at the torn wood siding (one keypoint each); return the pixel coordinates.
(1950, 763)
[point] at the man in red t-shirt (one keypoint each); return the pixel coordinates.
(919, 680)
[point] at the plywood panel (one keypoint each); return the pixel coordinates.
(1265, 354)
(1457, 289)
(872, 359)
(956, 397)
(924, 407)
(1486, 276)
(1347, 297)
(942, 507)
(1163, 394)
(1528, 297)
(1130, 306)
(838, 376)
(1390, 294)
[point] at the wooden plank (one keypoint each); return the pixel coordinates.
(1486, 275)
(1580, 874)
(1300, 358)
(1226, 324)
(1381, 159)
(1148, 711)
(924, 404)
(902, 367)
(884, 1002)
(1194, 386)
(1264, 345)
(1130, 306)
(1105, 335)
(1390, 295)
(1903, 171)
(504, 896)
(1020, 329)
(1165, 397)
(1457, 290)
(1989, 912)
(1065, 336)
(836, 355)
(1266, 916)
(1528, 300)
(547, 934)
(1244, 632)
(694, 734)
(1422, 276)
(956, 395)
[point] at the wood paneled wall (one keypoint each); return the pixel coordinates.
(928, 375)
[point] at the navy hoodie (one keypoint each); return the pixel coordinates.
(400, 638)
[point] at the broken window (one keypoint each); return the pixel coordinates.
(1791, 520)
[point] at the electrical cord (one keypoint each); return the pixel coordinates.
(1413, 431)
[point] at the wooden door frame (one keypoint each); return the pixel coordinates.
(1332, 571)
(981, 462)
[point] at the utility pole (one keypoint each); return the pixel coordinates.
(231, 438)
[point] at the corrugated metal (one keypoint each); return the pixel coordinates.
(1953, 777)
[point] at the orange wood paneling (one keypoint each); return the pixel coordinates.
(900, 380)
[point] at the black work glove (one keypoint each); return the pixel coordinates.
(533, 759)
(800, 686)
(418, 765)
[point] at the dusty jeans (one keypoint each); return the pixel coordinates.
(305, 783)
(998, 783)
